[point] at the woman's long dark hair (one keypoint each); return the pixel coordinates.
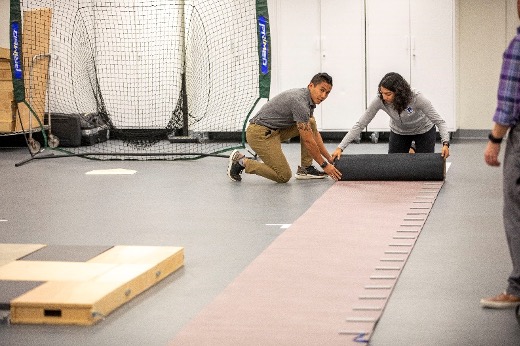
(400, 87)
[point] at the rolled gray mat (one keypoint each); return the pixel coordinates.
(407, 167)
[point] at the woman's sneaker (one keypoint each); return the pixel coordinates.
(309, 172)
(234, 167)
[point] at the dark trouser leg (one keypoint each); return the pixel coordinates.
(399, 143)
(424, 143)
(511, 211)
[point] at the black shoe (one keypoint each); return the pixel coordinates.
(234, 167)
(309, 172)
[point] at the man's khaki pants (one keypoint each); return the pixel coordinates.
(267, 144)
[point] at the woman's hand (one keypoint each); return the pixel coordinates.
(336, 154)
(445, 151)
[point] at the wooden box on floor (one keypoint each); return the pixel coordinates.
(82, 293)
(5, 53)
(7, 104)
(35, 50)
(7, 116)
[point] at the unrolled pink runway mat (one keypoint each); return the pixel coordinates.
(327, 278)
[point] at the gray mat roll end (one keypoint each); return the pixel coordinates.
(400, 167)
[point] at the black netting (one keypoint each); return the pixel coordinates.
(160, 74)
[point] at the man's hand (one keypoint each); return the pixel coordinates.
(332, 171)
(491, 154)
(493, 149)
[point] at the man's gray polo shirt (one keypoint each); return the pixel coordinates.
(286, 109)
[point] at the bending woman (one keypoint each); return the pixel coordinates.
(412, 118)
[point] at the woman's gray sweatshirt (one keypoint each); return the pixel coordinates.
(418, 118)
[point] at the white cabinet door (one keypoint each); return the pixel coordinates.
(343, 57)
(314, 36)
(297, 42)
(415, 39)
(388, 48)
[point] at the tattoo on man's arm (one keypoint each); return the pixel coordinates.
(304, 126)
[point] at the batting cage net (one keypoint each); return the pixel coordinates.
(140, 79)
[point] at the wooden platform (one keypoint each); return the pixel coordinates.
(79, 292)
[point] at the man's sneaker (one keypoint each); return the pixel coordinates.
(234, 167)
(310, 172)
(502, 301)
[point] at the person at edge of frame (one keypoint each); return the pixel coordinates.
(287, 115)
(412, 119)
(506, 119)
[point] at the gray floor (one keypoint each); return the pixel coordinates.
(460, 256)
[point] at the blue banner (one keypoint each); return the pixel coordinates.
(15, 51)
(264, 45)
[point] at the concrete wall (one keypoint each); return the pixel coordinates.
(485, 28)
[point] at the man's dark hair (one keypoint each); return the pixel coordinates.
(397, 84)
(320, 78)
